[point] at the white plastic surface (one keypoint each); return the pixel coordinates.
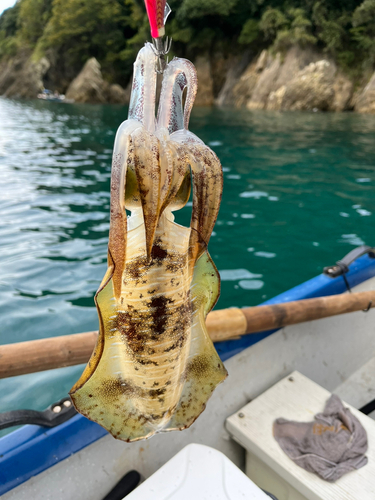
(198, 473)
(296, 397)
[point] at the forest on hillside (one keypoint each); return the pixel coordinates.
(113, 30)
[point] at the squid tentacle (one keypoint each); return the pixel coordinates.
(142, 99)
(208, 184)
(179, 75)
(148, 173)
(207, 188)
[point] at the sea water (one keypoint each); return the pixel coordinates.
(299, 193)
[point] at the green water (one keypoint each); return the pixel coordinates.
(298, 194)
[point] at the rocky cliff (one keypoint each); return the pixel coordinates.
(89, 86)
(22, 77)
(364, 101)
(300, 79)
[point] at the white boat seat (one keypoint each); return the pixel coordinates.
(295, 398)
(198, 472)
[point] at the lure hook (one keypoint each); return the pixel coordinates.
(161, 48)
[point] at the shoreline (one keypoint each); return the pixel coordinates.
(298, 80)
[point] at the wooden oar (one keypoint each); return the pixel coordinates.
(225, 324)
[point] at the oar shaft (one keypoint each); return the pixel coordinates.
(46, 354)
(231, 323)
(225, 324)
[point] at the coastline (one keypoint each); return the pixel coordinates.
(300, 79)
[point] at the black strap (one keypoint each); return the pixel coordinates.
(368, 408)
(342, 266)
(344, 269)
(125, 486)
(54, 415)
(270, 495)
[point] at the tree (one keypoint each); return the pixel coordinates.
(113, 31)
(81, 29)
(363, 30)
(272, 22)
(9, 20)
(32, 18)
(249, 33)
(284, 30)
(8, 30)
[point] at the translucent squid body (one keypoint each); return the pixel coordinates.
(154, 366)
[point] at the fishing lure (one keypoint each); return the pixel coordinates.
(154, 366)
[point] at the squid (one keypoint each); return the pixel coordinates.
(154, 365)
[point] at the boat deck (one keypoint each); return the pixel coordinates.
(333, 352)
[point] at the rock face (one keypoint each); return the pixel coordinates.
(89, 87)
(311, 88)
(301, 80)
(343, 93)
(265, 83)
(205, 94)
(365, 101)
(115, 94)
(235, 69)
(244, 88)
(22, 77)
(319, 86)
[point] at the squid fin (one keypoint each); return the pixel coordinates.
(102, 394)
(105, 296)
(118, 222)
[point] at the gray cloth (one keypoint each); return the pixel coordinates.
(334, 444)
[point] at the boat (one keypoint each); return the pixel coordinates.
(48, 95)
(61, 454)
(79, 459)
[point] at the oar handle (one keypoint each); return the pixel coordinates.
(225, 324)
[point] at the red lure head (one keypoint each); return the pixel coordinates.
(155, 11)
